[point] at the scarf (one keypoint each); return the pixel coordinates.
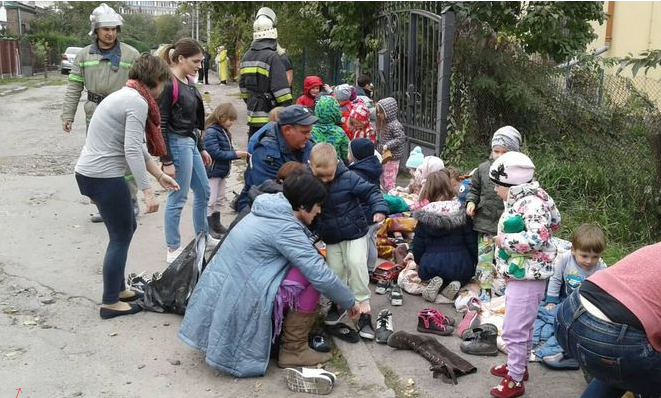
(155, 141)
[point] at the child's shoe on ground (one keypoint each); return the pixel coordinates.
(384, 326)
(430, 292)
(451, 290)
(508, 388)
(501, 371)
(333, 317)
(365, 329)
(381, 287)
(433, 322)
(396, 297)
(310, 380)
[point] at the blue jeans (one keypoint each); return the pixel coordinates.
(619, 357)
(189, 174)
(113, 199)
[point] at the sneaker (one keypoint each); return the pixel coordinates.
(381, 287)
(430, 292)
(172, 255)
(508, 388)
(333, 317)
(430, 322)
(314, 381)
(501, 371)
(365, 329)
(451, 290)
(445, 319)
(560, 361)
(96, 218)
(396, 297)
(384, 326)
(343, 332)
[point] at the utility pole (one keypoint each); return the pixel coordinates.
(208, 27)
(197, 21)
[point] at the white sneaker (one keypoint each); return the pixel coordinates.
(212, 242)
(172, 255)
(315, 381)
(451, 290)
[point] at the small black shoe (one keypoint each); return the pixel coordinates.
(136, 296)
(107, 313)
(365, 329)
(384, 326)
(483, 342)
(343, 332)
(333, 317)
(318, 343)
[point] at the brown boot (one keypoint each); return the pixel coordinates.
(294, 349)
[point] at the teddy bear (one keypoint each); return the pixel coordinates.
(516, 269)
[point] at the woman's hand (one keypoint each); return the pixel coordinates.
(206, 158)
(354, 312)
(150, 201)
(169, 170)
(168, 182)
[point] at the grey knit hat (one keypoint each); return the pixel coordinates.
(507, 137)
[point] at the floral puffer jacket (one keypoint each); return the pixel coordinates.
(540, 217)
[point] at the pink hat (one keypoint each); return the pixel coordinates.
(512, 168)
(360, 112)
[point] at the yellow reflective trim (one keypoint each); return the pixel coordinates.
(258, 119)
(283, 98)
(244, 95)
(254, 69)
(125, 65)
(89, 63)
(76, 78)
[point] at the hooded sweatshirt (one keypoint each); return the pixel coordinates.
(307, 100)
(327, 128)
(392, 134)
(533, 243)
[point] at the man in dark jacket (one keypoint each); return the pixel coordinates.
(263, 80)
(286, 140)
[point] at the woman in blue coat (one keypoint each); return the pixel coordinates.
(445, 245)
(265, 266)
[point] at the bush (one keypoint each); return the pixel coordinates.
(138, 45)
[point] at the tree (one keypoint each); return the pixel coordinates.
(168, 28)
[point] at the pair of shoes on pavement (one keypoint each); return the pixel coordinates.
(395, 295)
(508, 388)
(336, 328)
(431, 291)
(431, 320)
(364, 324)
(310, 380)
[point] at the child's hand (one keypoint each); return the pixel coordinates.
(550, 306)
(354, 312)
(497, 239)
(470, 209)
(241, 154)
(378, 217)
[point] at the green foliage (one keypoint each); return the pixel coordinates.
(169, 28)
(648, 59)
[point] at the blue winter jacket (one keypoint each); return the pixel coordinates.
(445, 244)
(229, 315)
(342, 217)
(370, 170)
(269, 154)
(219, 145)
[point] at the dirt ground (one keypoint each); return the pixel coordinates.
(52, 341)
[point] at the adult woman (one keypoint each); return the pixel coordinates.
(265, 264)
(114, 141)
(611, 325)
(182, 116)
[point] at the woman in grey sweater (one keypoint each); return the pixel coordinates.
(115, 141)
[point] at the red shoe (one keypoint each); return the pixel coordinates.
(508, 388)
(501, 371)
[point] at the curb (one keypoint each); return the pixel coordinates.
(364, 371)
(13, 91)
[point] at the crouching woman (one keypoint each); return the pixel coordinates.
(265, 278)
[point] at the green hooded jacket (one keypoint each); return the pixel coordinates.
(327, 129)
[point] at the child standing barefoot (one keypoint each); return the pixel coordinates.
(391, 138)
(524, 256)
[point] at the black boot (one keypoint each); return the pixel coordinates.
(482, 341)
(212, 230)
(217, 226)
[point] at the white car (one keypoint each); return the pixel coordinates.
(67, 59)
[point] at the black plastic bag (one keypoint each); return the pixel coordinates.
(170, 292)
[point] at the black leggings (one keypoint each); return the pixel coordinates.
(112, 197)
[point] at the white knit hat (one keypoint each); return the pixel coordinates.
(512, 168)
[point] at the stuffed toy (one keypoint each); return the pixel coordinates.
(516, 269)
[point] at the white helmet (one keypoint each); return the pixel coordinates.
(104, 16)
(268, 13)
(263, 28)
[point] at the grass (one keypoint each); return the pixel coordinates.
(402, 389)
(54, 78)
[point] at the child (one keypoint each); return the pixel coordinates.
(525, 256)
(430, 164)
(345, 94)
(391, 138)
(485, 207)
(360, 125)
(444, 246)
(460, 184)
(573, 267)
(312, 86)
(218, 142)
(363, 162)
(327, 129)
(343, 226)
(414, 161)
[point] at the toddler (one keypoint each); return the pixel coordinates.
(312, 86)
(218, 142)
(391, 139)
(360, 125)
(327, 129)
(525, 255)
(343, 226)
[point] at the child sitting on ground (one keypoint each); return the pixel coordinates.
(343, 226)
(312, 86)
(359, 122)
(485, 207)
(391, 140)
(525, 256)
(327, 128)
(444, 245)
(363, 162)
(218, 142)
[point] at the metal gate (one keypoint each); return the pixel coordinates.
(413, 64)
